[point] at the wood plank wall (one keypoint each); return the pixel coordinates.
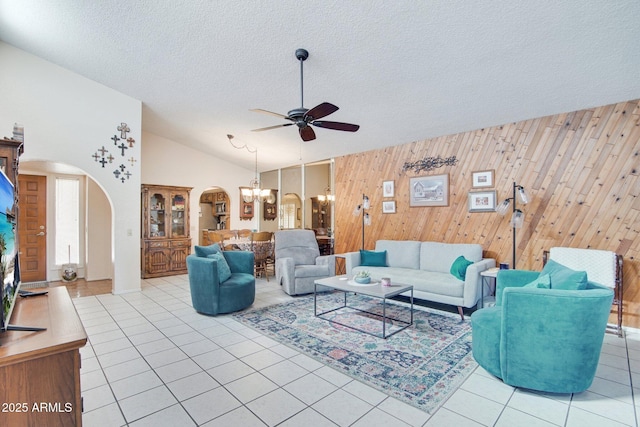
(581, 170)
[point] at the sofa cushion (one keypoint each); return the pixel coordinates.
(224, 272)
(436, 256)
(400, 253)
(203, 251)
(430, 282)
(373, 258)
(459, 267)
(543, 282)
(563, 277)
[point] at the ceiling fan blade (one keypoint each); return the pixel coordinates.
(320, 111)
(307, 134)
(348, 127)
(260, 110)
(271, 127)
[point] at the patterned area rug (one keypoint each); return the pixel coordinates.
(421, 365)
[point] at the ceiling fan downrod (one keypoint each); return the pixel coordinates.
(302, 55)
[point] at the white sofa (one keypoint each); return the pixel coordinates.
(426, 266)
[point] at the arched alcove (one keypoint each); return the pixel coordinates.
(95, 222)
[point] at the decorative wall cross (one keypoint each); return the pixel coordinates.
(101, 156)
(123, 128)
(122, 147)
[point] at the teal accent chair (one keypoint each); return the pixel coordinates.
(541, 339)
(211, 297)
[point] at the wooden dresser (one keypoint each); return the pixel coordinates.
(40, 371)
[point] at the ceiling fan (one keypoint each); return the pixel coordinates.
(303, 117)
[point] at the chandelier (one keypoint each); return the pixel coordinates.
(327, 197)
(254, 192)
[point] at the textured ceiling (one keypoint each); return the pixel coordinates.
(402, 70)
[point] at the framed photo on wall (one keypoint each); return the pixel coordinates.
(388, 206)
(482, 201)
(388, 188)
(483, 179)
(430, 190)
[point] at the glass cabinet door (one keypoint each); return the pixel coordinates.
(177, 215)
(157, 216)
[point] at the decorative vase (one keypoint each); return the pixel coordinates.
(362, 280)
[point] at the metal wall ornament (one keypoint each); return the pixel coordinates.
(103, 156)
(429, 163)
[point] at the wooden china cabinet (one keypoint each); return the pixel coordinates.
(166, 239)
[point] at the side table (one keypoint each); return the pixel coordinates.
(488, 278)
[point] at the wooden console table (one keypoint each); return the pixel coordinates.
(40, 371)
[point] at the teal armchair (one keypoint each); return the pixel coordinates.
(541, 339)
(210, 295)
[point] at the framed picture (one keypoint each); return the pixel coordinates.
(482, 201)
(430, 190)
(389, 206)
(388, 188)
(482, 179)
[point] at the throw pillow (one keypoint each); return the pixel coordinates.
(373, 259)
(563, 277)
(459, 267)
(224, 272)
(543, 282)
(203, 251)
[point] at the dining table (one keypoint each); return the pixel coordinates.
(244, 244)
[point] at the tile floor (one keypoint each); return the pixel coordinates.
(152, 361)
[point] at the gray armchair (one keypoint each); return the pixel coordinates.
(298, 261)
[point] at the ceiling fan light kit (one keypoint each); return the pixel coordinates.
(303, 117)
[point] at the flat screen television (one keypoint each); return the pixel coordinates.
(9, 271)
(9, 265)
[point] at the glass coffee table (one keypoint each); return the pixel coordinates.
(375, 290)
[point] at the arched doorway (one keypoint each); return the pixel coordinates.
(215, 212)
(94, 247)
(290, 211)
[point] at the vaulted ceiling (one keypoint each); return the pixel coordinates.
(403, 70)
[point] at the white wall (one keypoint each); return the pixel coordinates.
(66, 118)
(98, 233)
(166, 162)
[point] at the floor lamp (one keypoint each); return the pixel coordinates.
(366, 219)
(517, 216)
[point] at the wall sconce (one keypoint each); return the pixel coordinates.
(366, 219)
(517, 217)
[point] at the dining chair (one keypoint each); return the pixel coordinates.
(261, 246)
(245, 233)
(216, 237)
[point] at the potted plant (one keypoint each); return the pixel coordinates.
(362, 277)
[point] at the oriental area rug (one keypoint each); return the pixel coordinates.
(421, 365)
